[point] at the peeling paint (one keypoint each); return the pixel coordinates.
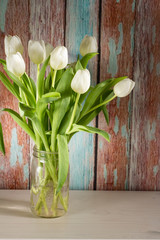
(116, 125)
(124, 131)
(133, 5)
(152, 130)
(120, 41)
(2, 15)
(16, 150)
(153, 34)
(158, 69)
(118, 1)
(151, 63)
(113, 66)
(125, 134)
(114, 51)
(126, 179)
(2, 167)
(115, 177)
(132, 38)
(105, 173)
(155, 170)
(118, 102)
(26, 172)
(100, 144)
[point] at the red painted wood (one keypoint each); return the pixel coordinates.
(14, 172)
(145, 138)
(117, 20)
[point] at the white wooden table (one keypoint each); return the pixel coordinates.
(92, 215)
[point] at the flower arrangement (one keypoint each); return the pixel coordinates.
(62, 103)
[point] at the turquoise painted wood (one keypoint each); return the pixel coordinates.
(81, 19)
(128, 36)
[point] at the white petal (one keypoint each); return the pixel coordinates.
(124, 87)
(37, 51)
(16, 64)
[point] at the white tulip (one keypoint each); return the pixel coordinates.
(81, 81)
(37, 51)
(88, 45)
(15, 64)
(59, 58)
(49, 49)
(124, 87)
(12, 44)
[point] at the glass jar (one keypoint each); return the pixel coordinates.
(44, 200)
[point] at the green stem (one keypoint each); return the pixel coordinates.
(38, 69)
(73, 113)
(53, 72)
(101, 104)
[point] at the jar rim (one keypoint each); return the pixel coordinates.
(36, 150)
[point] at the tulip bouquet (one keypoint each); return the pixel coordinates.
(60, 104)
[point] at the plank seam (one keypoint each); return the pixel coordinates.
(98, 80)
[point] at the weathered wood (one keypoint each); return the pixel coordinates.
(14, 167)
(82, 19)
(117, 42)
(47, 22)
(145, 138)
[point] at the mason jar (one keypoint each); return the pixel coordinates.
(44, 199)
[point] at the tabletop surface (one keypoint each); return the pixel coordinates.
(91, 215)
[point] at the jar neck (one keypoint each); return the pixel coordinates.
(44, 154)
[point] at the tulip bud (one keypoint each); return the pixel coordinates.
(12, 45)
(88, 45)
(49, 49)
(59, 58)
(124, 87)
(37, 51)
(16, 64)
(81, 81)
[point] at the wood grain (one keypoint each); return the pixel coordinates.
(117, 41)
(14, 167)
(129, 45)
(47, 22)
(145, 138)
(82, 19)
(92, 215)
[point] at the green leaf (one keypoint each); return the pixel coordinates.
(2, 148)
(99, 90)
(3, 61)
(77, 128)
(42, 103)
(86, 119)
(105, 112)
(29, 83)
(83, 96)
(64, 85)
(66, 120)
(40, 82)
(38, 126)
(29, 95)
(16, 117)
(63, 164)
(86, 58)
(9, 86)
(60, 108)
(52, 95)
(47, 83)
(78, 66)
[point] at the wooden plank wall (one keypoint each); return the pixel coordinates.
(128, 35)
